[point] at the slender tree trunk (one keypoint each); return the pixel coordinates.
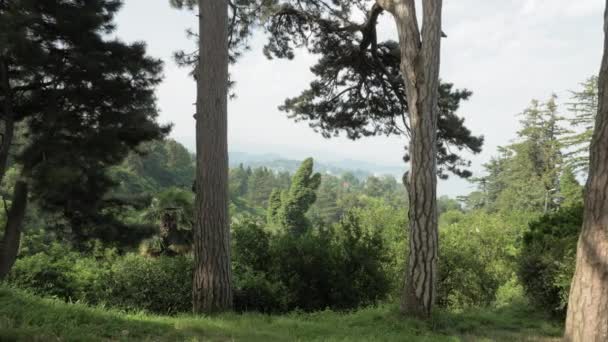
(5, 144)
(9, 246)
(212, 287)
(7, 118)
(587, 319)
(420, 59)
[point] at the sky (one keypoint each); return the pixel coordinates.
(507, 52)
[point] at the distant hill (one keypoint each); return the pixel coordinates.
(276, 162)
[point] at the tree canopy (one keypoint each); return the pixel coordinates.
(358, 88)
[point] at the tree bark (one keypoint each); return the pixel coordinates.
(9, 246)
(420, 60)
(587, 318)
(7, 118)
(212, 283)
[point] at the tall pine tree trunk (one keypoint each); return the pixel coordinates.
(420, 59)
(212, 283)
(587, 319)
(11, 239)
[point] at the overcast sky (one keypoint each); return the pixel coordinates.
(507, 52)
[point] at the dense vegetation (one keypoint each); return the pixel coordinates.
(309, 241)
(102, 209)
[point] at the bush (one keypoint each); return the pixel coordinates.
(360, 257)
(255, 288)
(161, 285)
(477, 256)
(546, 266)
(60, 273)
(338, 268)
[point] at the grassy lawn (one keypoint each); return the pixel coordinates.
(24, 317)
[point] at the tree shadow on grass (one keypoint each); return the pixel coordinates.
(24, 317)
(515, 322)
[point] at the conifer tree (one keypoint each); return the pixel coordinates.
(84, 100)
(570, 190)
(365, 87)
(287, 210)
(583, 106)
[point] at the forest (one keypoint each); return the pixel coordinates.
(114, 230)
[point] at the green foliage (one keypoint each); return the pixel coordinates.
(358, 88)
(172, 211)
(155, 166)
(162, 285)
(525, 175)
(361, 258)
(62, 273)
(289, 211)
(340, 268)
(82, 106)
(478, 253)
(570, 189)
(546, 266)
(133, 282)
(583, 105)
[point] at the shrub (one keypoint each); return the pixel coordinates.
(477, 256)
(360, 275)
(548, 258)
(161, 285)
(255, 287)
(339, 268)
(62, 273)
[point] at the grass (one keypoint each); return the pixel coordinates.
(25, 317)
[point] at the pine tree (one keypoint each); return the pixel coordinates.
(526, 174)
(583, 106)
(366, 87)
(85, 101)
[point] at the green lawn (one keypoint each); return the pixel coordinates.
(24, 317)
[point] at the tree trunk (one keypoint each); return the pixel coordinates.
(587, 319)
(12, 232)
(420, 58)
(212, 287)
(6, 139)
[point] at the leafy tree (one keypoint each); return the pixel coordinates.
(85, 100)
(546, 265)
